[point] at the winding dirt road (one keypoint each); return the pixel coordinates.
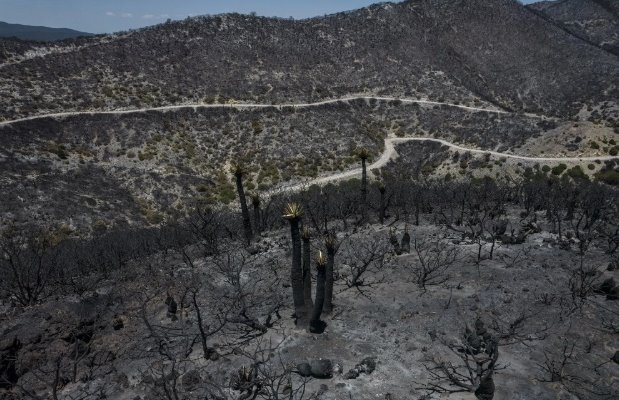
(390, 142)
(390, 152)
(246, 106)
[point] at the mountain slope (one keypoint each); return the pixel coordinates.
(596, 21)
(495, 51)
(38, 33)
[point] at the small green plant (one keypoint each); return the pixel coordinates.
(559, 169)
(577, 173)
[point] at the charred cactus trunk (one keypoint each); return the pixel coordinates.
(255, 200)
(393, 239)
(381, 214)
(405, 244)
(293, 215)
(238, 174)
(364, 154)
(316, 325)
(364, 188)
(307, 269)
(330, 243)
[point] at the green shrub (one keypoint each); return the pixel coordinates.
(154, 217)
(545, 168)
(577, 173)
(558, 170)
(594, 145)
(609, 177)
(614, 151)
(591, 166)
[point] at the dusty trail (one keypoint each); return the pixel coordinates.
(247, 106)
(385, 157)
(390, 151)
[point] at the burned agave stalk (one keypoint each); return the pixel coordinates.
(381, 212)
(316, 325)
(255, 201)
(330, 244)
(292, 213)
(307, 268)
(363, 155)
(238, 169)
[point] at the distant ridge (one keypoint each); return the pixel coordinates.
(38, 33)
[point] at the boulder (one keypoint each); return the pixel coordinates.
(366, 366)
(321, 369)
(607, 286)
(304, 369)
(191, 378)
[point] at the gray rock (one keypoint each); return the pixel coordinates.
(367, 365)
(352, 374)
(304, 369)
(607, 286)
(191, 378)
(322, 369)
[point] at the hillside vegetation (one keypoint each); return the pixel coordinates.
(497, 51)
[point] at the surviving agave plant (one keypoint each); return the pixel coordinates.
(292, 211)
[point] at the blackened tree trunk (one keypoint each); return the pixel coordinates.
(293, 215)
(363, 154)
(417, 207)
(316, 325)
(255, 199)
(244, 209)
(364, 188)
(330, 243)
(307, 270)
(405, 244)
(381, 214)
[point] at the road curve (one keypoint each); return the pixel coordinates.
(390, 152)
(245, 106)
